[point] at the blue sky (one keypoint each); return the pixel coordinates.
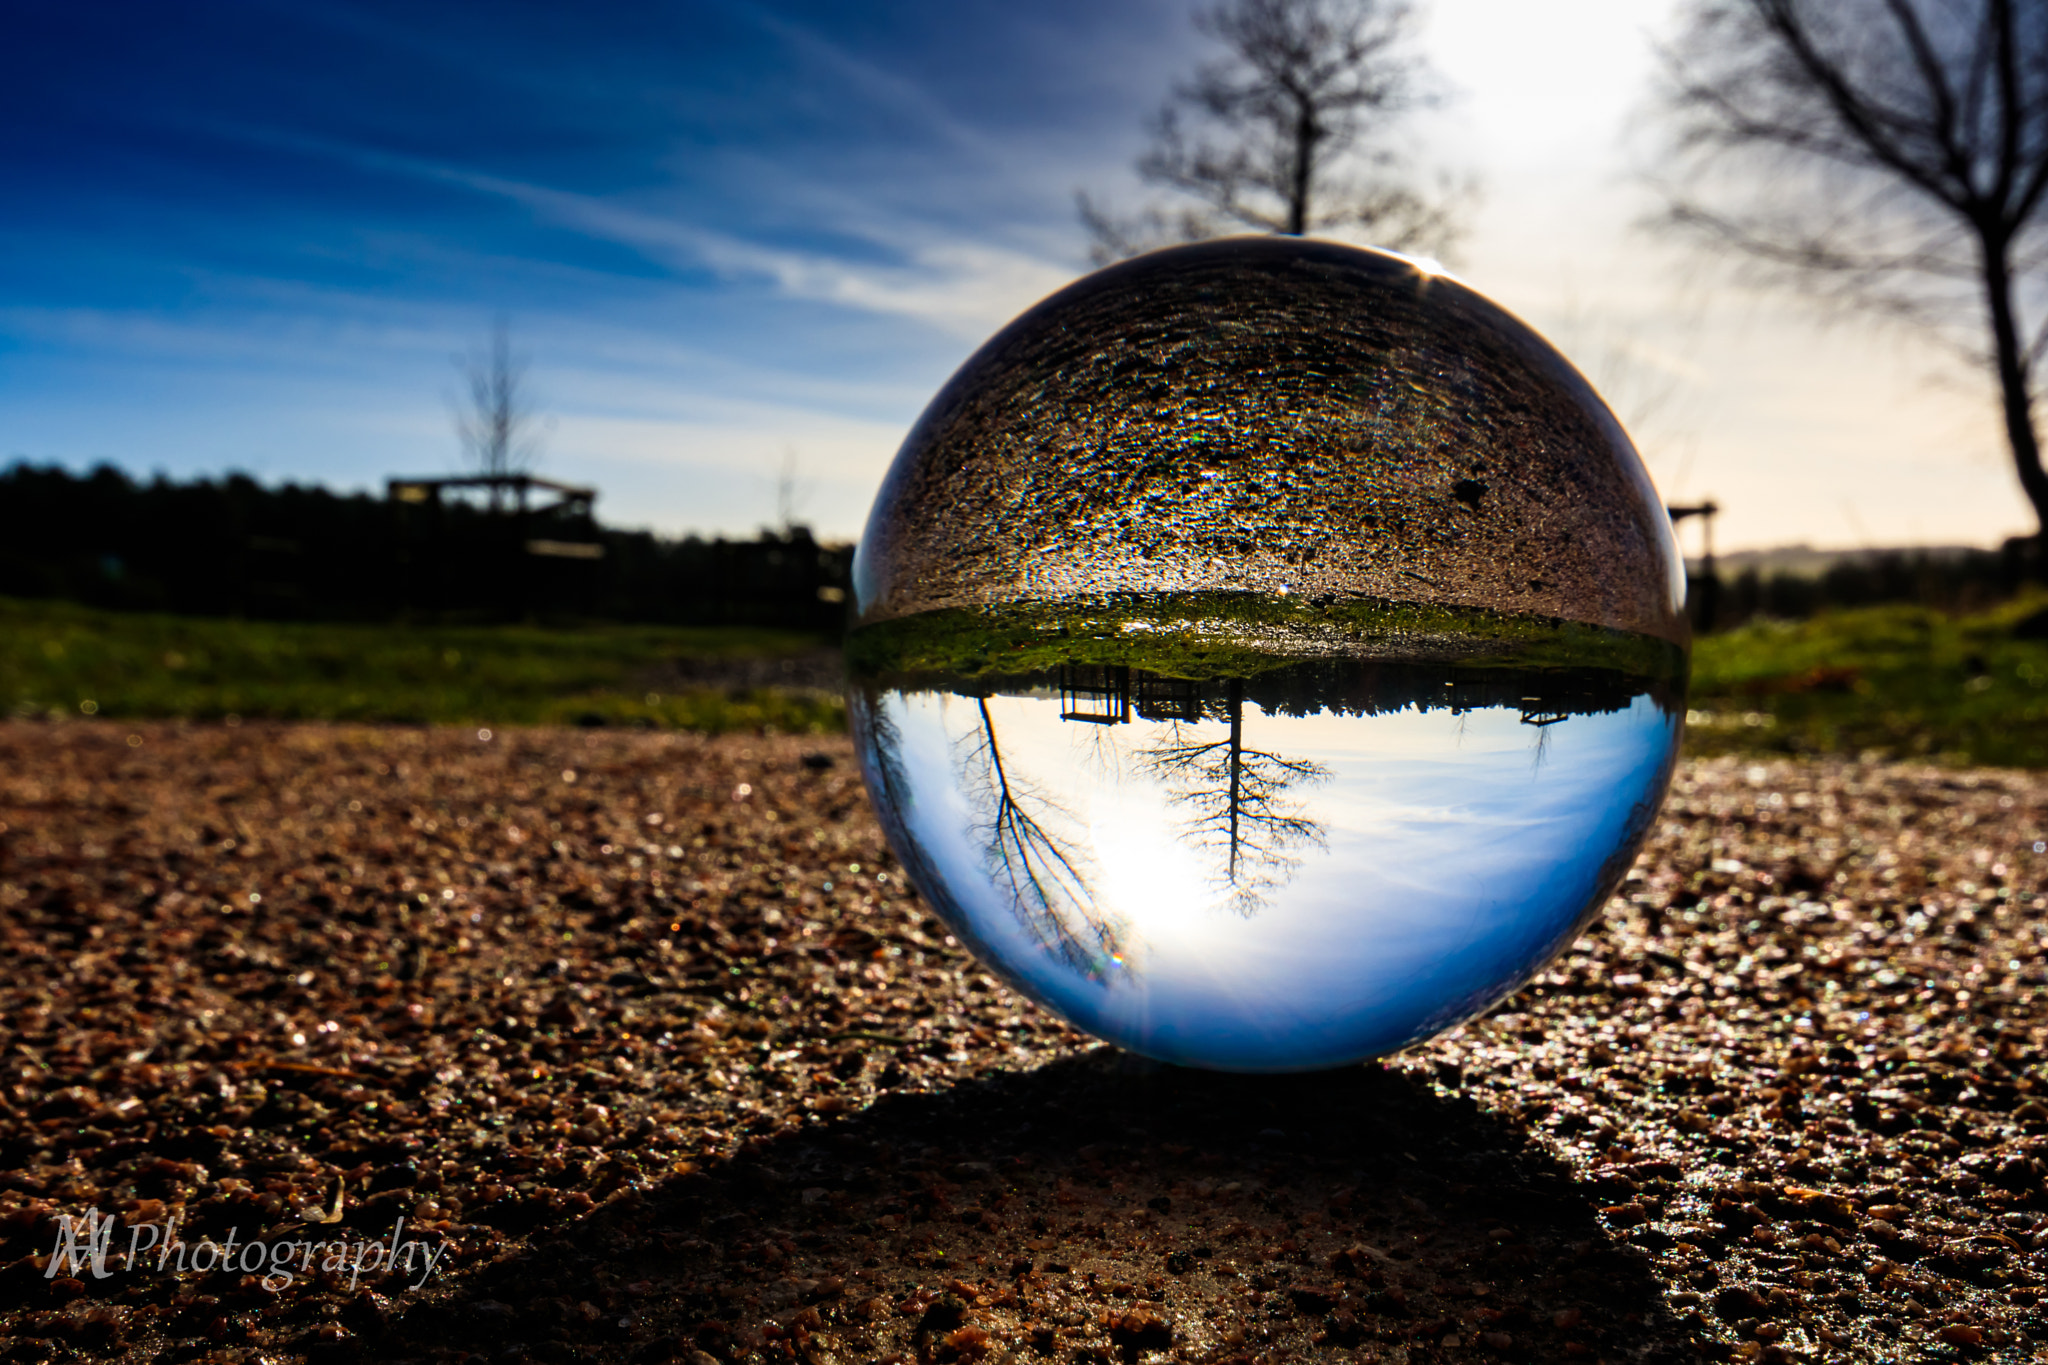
(255, 235)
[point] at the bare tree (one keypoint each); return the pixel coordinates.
(792, 491)
(1042, 871)
(1886, 155)
(1241, 811)
(1290, 132)
(496, 422)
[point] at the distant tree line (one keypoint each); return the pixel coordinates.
(1947, 580)
(233, 547)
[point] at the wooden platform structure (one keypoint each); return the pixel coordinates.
(507, 492)
(529, 519)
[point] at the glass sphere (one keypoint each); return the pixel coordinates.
(1267, 653)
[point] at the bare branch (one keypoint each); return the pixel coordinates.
(1042, 872)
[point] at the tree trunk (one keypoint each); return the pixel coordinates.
(1236, 766)
(2013, 381)
(1304, 152)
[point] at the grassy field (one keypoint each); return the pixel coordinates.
(1898, 682)
(70, 660)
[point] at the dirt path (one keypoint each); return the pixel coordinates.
(648, 1044)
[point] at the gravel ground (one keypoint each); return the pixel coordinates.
(648, 1044)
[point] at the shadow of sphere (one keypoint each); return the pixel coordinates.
(1093, 1209)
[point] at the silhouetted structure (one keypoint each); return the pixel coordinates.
(1703, 589)
(1097, 695)
(504, 490)
(1161, 698)
(526, 562)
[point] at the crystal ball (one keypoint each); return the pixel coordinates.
(1267, 653)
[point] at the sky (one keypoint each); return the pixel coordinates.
(734, 239)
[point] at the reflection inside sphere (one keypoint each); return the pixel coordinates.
(1266, 654)
(1314, 864)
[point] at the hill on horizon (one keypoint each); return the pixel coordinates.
(1807, 561)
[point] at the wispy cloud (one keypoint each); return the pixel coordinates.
(874, 84)
(962, 287)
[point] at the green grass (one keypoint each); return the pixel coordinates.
(1233, 634)
(61, 658)
(1899, 682)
